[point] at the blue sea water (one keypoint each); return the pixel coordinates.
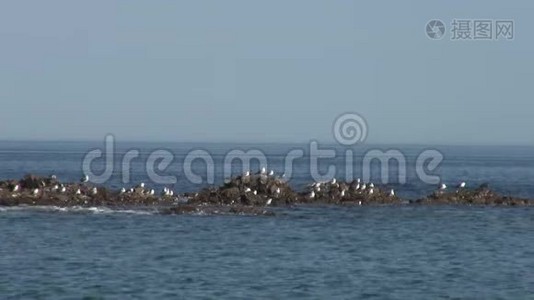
(407, 252)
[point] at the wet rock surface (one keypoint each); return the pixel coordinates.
(252, 194)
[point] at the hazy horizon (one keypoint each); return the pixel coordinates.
(274, 72)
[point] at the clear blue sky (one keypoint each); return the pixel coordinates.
(262, 71)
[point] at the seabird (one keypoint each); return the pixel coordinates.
(36, 191)
(84, 179)
(123, 190)
(371, 185)
(63, 189)
(312, 195)
(334, 180)
(94, 191)
(342, 193)
(269, 201)
(78, 192)
(271, 173)
(142, 185)
(391, 193)
(247, 173)
(443, 186)
(16, 188)
(360, 202)
(255, 192)
(371, 191)
(363, 187)
(462, 185)
(263, 170)
(53, 177)
(56, 187)
(358, 180)
(277, 190)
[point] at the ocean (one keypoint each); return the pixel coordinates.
(303, 252)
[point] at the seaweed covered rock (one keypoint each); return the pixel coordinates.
(482, 195)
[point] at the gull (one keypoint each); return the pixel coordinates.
(84, 179)
(443, 186)
(56, 187)
(16, 188)
(277, 190)
(269, 201)
(343, 193)
(391, 193)
(462, 185)
(360, 202)
(312, 195)
(371, 191)
(151, 192)
(36, 191)
(78, 192)
(263, 170)
(123, 190)
(363, 187)
(271, 173)
(371, 185)
(247, 173)
(53, 177)
(94, 191)
(63, 189)
(142, 185)
(248, 190)
(255, 192)
(357, 187)
(358, 180)
(318, 189)
(334, 180)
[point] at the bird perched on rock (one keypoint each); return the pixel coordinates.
(269, 201)
(312, 195)
(442, 187)
(16, 188)
(123, 190)
(94, 191)
(271, 173)
(63, 189)
(462, 185)
(392, 193)
(35, 192)
(84, 179)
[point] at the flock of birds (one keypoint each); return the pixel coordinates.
(315, 188)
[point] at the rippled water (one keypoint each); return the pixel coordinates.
(401, 252)
(304, 252)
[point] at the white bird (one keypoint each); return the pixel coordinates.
(123, 190)
(462, 185)
(363, 187)
(142, 185)
(63, 189)
(277, 191)
(318, 189)
(334, 180)
(56, 187)
(357, 187)
(312, 195)
(371, 191)
(53, 177)
(360, 202)
(16, 188)
(255, 192)
(248, 190)
(94, 191)
(269, 201)
(85, 179)
(391, 193)
(342, 193)
(247, 173)
(371, 185)
(78, 192)
(171, 193)
(263, 170)
(36, 191)
(443, 186)
(358, 180)
(271, 173)
(151, 192)
(131, 190)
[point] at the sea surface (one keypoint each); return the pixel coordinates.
(317, 252)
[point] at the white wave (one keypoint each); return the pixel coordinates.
(75, 209)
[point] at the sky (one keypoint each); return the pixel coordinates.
(262, 71)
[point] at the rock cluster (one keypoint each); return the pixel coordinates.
(247, 193)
